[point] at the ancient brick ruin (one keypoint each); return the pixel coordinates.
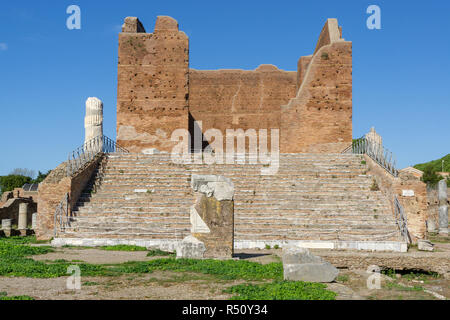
(158, 92)
(325, 193)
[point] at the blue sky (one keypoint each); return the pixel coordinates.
(401, 73)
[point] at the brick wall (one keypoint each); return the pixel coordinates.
(152, 89)
(158, 93)
(238, 99)
(319, 118)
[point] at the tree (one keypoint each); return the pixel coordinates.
(23, 172)
(41, 176)
(12, 181)
(430, 177)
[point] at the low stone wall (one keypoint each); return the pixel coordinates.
(414, 200)
(424, 261)
(52, 190)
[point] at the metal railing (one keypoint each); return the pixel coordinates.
(88, 151)
(401, 220)
(62, 218)
(376, 151)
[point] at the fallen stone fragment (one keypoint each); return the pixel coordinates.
(425, 245)
(191, 248)
(301, 265)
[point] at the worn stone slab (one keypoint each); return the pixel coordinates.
(299, 264)
(310, 272)
(296, 255)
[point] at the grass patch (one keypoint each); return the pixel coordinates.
(342, 278)
(123, 247)
(14, 261)
(399, 287)
(159, 253)
(4, 298)
(227, 269)
(281, 290)
(23, 240)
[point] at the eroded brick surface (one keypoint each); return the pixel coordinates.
(152, 97)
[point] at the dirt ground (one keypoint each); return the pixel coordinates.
(167, 285)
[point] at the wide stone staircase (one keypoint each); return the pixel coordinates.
(314, 200)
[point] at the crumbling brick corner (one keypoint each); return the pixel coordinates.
(319, 118)
(52, 190)
(411, 193)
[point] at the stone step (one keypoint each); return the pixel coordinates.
(293, 196)
(312, 197)
(282, 224)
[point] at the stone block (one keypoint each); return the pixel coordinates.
(442, 192)
(295, 255)
(6, 227)
(212, 216)
(425, 245)
(220, 187)
(151, 151)
(310, 272)
(191, 248)
(299, 264)
(443, 219)
(431, 226)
